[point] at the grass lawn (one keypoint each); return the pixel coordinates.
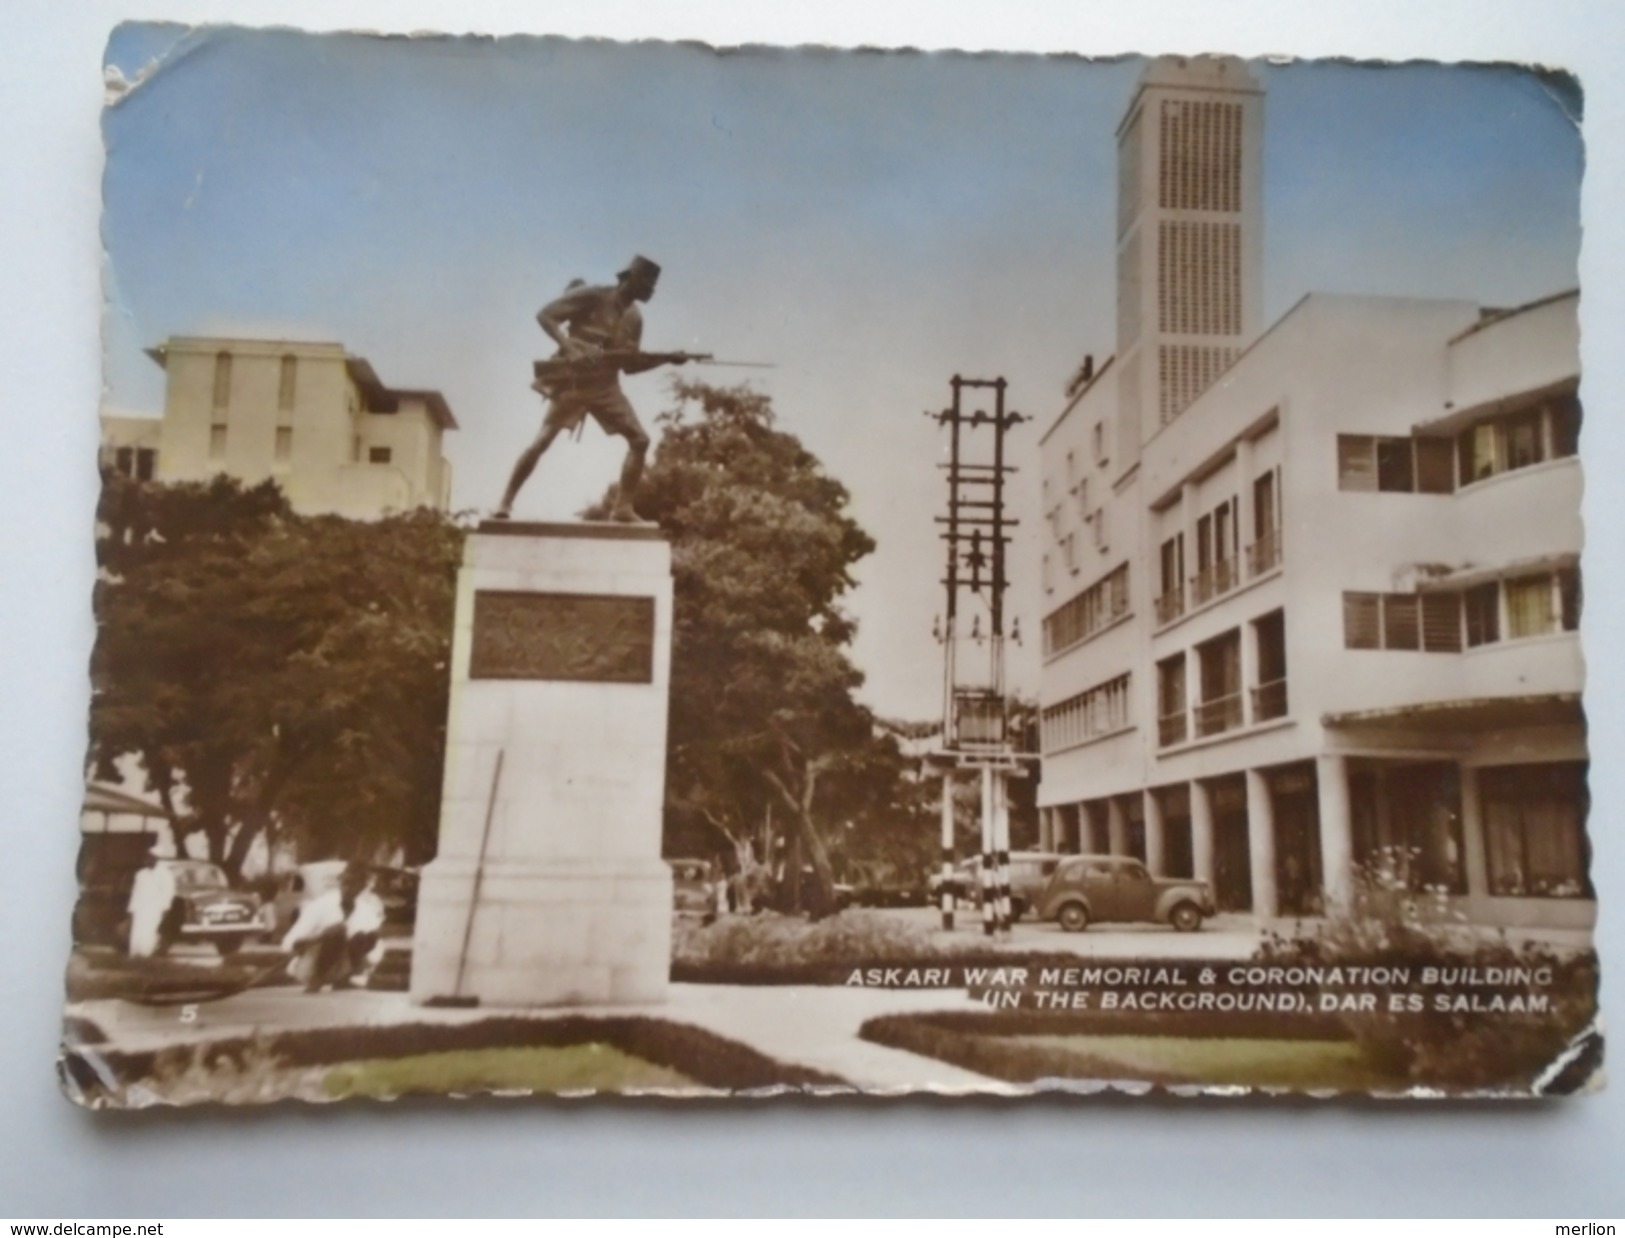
(1029, 1047)
(528, 1068)
(1297, 1064)
(503, 1053)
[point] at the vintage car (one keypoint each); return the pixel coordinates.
(397, 889)
(1030, 872)
(1088, 889)
(879, 884)
(695, 889)
(205, 908)
(292, 889)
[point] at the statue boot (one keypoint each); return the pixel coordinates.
(623, 511)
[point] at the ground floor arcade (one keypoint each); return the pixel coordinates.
(1497, 841)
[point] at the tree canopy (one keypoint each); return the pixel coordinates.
(764, 716)
(285, 677)
(275, 674)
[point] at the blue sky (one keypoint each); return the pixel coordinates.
(872, 223)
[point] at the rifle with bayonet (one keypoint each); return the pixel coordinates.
(555, 375)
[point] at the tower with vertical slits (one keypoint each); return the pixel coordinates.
(1189, 237)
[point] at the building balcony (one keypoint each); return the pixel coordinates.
(1269, 700)
(1212, 581)
(1218, 715)
(1170, 605)
(1520, 514)
(1361, 682)
(1264, 554)
(1171, 729)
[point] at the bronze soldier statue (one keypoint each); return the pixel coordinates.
(598, 330)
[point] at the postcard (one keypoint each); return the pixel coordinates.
(652, 569)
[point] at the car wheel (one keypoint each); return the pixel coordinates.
(1185, 918)
(228, 946)
(1074, 917)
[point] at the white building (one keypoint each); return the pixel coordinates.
(130, 445)
(1312, 594)
(310, 416)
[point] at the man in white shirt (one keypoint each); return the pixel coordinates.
(336, 932)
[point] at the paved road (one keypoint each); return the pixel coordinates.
(1224, 937)
(1229, 935)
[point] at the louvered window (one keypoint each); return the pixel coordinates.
(1201, 156)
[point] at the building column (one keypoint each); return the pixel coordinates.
(1156, 847)
(1187, 519)
(1261, 845)
(1249, 672)
(1046, 829)
(1384, 809)
(1193, 681)
(1475, 860)
(1202, 832)
(1244, 519)
(1116, 827)
(1336, 830)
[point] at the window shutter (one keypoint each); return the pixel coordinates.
(1356, 462)
(1435, 466)
(1361, 620)
(1401, 619)
(1396, 468)
(1441, 622)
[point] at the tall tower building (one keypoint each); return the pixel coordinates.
(1310, 620)
(1189, 238)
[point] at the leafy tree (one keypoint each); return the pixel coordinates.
(277, 675)
(763, 711)
(893, 838)
(1023, 792)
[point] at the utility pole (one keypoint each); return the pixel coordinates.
(975, 708)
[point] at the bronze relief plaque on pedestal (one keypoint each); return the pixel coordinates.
(576, 637)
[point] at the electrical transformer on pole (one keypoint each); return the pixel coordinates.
(976, 732)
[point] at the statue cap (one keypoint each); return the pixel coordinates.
(640, 266)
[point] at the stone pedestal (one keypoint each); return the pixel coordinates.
(555, 774)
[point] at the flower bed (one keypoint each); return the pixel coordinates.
(771, 949)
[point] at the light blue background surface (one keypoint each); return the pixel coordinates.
(1058, 1156)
